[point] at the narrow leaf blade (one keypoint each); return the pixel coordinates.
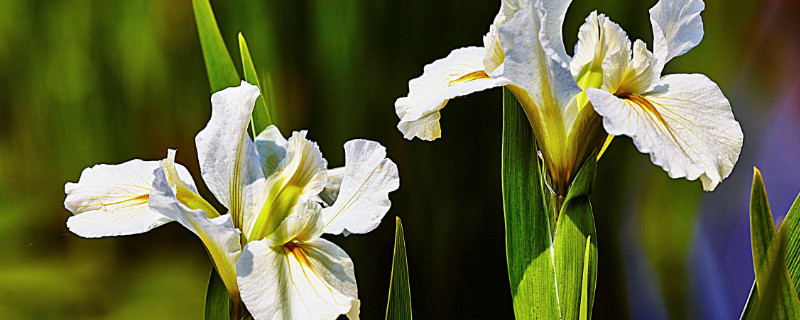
(217, 301)
(529, 227)
(219, 65)
(574, 228)
(584, 312)
(261, 118)
(399, 305)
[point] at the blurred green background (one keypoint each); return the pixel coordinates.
(90, 81)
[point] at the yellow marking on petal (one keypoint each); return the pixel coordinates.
(476, 75)
(648, 106)
(298, 253)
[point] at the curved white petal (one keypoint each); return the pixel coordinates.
(228, 160)
(304, 224)
(364, 194)
(677, 28)
(312, 280)
(271, 148)
(494, 53)
(532, 64)
(685, 124)
(220, 237)
(111, 200)
(460, 73)
(300, 175)
(554, 24)
(598, 38)
(332, 186)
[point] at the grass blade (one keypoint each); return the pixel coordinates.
(399, 305)
(529, 227)
(261, 118)
(219, 66)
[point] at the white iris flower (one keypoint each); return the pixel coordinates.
(280, 196)
(683, 121)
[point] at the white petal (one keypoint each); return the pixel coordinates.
(632, 75)
(532, 64)
(220, 237)
(111, 200)
(460, 73)
(313, 281)
(687, 126)
(301, 175)
(554, 24)
(598, 38)
(304, 224)
(271, 148)
(364, 195)
(494, 53)
(228, 160)
(677, 28)
(332, 186)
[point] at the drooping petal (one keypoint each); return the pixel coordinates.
(598, 38)
(228, 160)
(111, 200)
(271, 148)
(460, 73)
(304, 224)
(311, 280)
(364, 194)
(219, 236)
(532, 64)
(301, 175)
(677, 28)
(685, 124)
(332, 186)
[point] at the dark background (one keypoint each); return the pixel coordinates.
(92, 81)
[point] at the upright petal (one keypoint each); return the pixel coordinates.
(364, 194)
(677, 28)
(111, 200)
(311, 280)
(685, 124)
(304, 224)
(460, 73)
(332, 186)
(220, 237)
(228, 160)
(632, 75)
(301, 175)
(532, 64)
(598, 38)
(271, 148)
(494, 53)
(554, 24)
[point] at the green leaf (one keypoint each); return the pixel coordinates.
(219, 66)
(529, 226)
(546, 259)
(217, 301)
(261, 118)
(585, 308)
(774, 295)
(399, 305)
(575, 226)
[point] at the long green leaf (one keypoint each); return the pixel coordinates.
(575, 226)
(219, 66)
(261, 117)
(529, 228)
(217, 301)
(774, 294)
(399, 305)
